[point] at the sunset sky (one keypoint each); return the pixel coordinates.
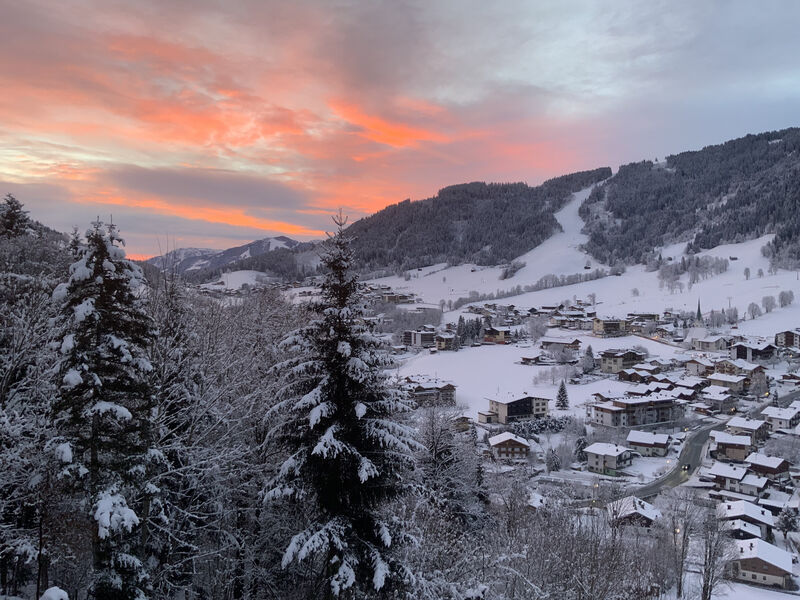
(211, 124)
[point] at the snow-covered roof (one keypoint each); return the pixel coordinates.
(755, 345)
(762, 460)
(645, 367)
(605, 449)
(631, 505)
(701, 360)
(728, 471)
(755, 481)
(507, 436)
(715, 390)
(689, 381)
(507, 397)
(742, 364)
(726, 377)
(722, 437)
(776, 412)
(555, 340)
(742, 508)
(772, 555)
(647, 437)
(745, 423)
(739, 525)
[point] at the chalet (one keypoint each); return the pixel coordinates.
(716, 343)
(781, 418)
(771, 467)
(428, 391)
(646, 389)
(732, 447)
(539, 359)
(514, 408)
(757, 561)
(790, 378)
(734, 383)
(647, 443)
(632, 512)
(633, 411)
(497, 335)
(747, 512)
(751, 351)
(507, 446)
(695, 383)
(560, 344)
(737, 479)
(634, 376)
(614, 361)
(445, 341)
(755, 429)
(699, 366)
(607, 459)
(609, 327)
(788, 339)
(741, 530)
(719, 399)
(756, 375)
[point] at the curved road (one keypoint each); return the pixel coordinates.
(691, 455)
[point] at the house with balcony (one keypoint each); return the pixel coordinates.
(608, 459)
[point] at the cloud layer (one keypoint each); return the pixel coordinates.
(206, 123)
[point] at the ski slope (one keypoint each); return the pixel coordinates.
(559, 254)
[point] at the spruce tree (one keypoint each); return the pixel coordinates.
(346, 452)
(103, 409)
(562, 400)
(14, 220)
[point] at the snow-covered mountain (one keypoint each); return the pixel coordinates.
(185, 260)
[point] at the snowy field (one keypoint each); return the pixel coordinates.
(486, 371)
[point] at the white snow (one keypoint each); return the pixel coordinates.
(63, 452)
(235, 280)
(120, 412)
(54, 593)
(112, 514)
(84, 309)
(72, 378)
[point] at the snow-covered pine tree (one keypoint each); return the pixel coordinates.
(562, 400)
(14, 220)
(104, 406)
(346, 452)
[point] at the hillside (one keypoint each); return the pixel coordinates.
(727, 193)
(185, 260)
(486, 224)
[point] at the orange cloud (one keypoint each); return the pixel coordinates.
(383, 131)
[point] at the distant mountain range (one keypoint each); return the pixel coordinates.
(186, 260)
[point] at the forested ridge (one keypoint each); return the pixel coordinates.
(726, 193)
(484, 223)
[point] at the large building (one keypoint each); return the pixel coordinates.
(510, 408)
(788, 339)
(609, 327)
(614, 361)
(428, 391)
(635, 411)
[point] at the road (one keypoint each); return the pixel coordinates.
(691, 455)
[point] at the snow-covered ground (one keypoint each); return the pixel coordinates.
(487, 371)
(235, 280)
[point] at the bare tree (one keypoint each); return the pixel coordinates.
(716, 549)
(753, 310)
(537, 327)
(747, 273)
(680, 520)
(768, 302)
